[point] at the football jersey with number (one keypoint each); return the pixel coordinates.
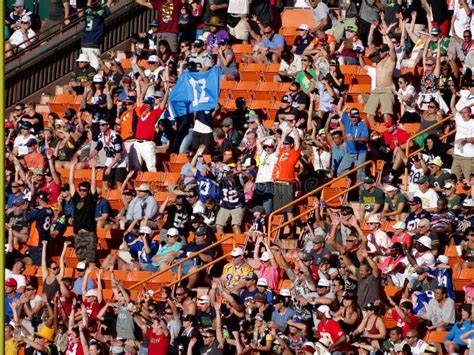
(112, 144)
(207, 188)
(42, 218)
(93, 33)
(232, 193)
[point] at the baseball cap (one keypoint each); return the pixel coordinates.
(43, 196)
(354, 112)
(260, 298)
(188, 318)
(390, 188)
(130, 192)
(352, 28)
(303, 27)
(389, 122)
(324, 310)
(204, 299)
(11, 282)
(92, 293)
(435, 31)
(83, 58)
(415, 200)
(259, 316)
(98, 78)
(227, 121)
(324, 283)
(31, 142)
(198, 43)
(436, 161)
(285, 292)
(19, 201)
(130, 238)
(153, 59)
(374, 218)
(101, 99)
(423, 179)
(262, 282)
(399, 225)
(81, 266)
(265, 256)
(237, 252)
(155, 23)
(289, 140)
(130, 99)
(25, 125)
(145, 230)
(149, 100)
(442, 259)
(258, 209)
(277, 299)
(269, 142)
(172, 232)
(287, 99)
(369, 180)
(252, 276)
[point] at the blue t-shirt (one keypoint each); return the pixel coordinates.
(78, 285)
(207, 188)
(137, 250)
(358, 130)
(277, 41)
(444, 277)
(8, 308)
(102, 207)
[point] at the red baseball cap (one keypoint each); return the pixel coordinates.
(11, 283)
(389, 122)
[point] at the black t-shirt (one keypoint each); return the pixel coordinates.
(99, 113)
(177, 219)
(84, 213)
(18, 222)
(37, 126)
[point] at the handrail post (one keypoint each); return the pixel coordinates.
(179, 273)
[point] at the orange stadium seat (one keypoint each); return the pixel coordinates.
(270, 71)
(295, 17)
(251, 71)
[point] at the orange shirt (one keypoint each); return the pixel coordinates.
(329, 39)
(35, 161)
(126, 125)
(285, 166)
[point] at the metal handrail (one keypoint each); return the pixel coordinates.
(51, 32)
(199, 269)
(301, 198)
(178, 263)
(417, 134)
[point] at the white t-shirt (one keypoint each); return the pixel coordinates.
(415, 175)
(321, 159)
(410, 89)
(419, 347)
(20, 279)
(17, 39)
(429, 199)
(462, 21)
(464, 129)
(238, 7)
(294, 67)
(20, 143)
(266, 165)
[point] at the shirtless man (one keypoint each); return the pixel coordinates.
(382, 94)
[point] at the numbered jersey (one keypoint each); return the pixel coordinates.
(176, 218)
(232, 193)
(112, 144)
(93, 33)
(40, 219)
(207, 188)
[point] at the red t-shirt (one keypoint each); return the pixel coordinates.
(285, 166)
(331, 331)
(402, 324)
(66, 302)
(146, 123)
(167, 13)
(75, 348)
(53, 191)
(157, 344)
(389, 138)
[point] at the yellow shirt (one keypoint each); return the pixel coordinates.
(10, 347)
(234, 274)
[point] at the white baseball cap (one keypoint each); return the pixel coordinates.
(262, 282)
(303, 27)
(237, 252)
(145, 230)
(324, 310)
(426, 241)
(173, 232)
(373, 218)
(399, 225)
(265, 256)
(83, 58)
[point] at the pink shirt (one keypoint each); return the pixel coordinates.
(271, 274)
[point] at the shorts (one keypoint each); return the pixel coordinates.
(35, 254)
(236, 215)
(85, 244)
(383, 97)
(186, 266)
(240, 31)
(116, 174)
(283, 194)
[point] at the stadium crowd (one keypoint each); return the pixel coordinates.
(321, 285)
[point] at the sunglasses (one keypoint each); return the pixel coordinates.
(431, 106)
(180, 294)
(83, 190)
(54, 268)
(429, 64)
(14, 186)
(207, 336)
(104, 124)
(350, 240)
(292, 90)
(18, 109)
(29, 289)
(267, 32)
(168, 313)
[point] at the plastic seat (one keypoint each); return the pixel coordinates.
(252, 72)
(436, 336)
(411, 128)
(244, 89)
(270, 71)
(463, 278)
(349, 69)
(295, 17)
(240, 49)
(267, 90)
(359, 89)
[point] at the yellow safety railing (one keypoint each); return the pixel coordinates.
(199, 269)
(180, 262)
(417, 134)
(311, 193)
